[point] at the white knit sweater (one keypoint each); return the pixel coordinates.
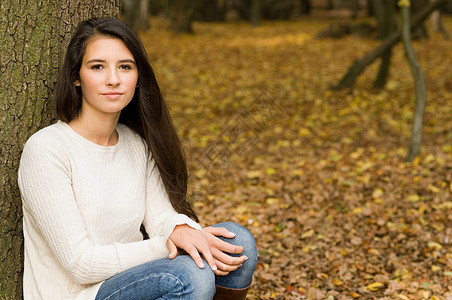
(83, 205)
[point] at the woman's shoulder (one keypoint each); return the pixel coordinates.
(49, 137)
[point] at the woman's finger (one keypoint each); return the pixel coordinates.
(205, 251)
(226, 268)
(172, 249)
(193, 252)
(220, 231)
(224, 246)
(228, 259)
(220, 273)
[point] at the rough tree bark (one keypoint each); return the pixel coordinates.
(34, 36)
(348, 80)
(416, 135)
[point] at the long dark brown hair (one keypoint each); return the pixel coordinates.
(147, 113)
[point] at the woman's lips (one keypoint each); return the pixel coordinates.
(112, 96)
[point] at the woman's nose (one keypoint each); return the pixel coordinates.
(112, 78)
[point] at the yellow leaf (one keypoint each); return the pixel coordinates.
(297, 172)
(307, 234)
(200, 173)
(308, 248)
(436, 268)
(357, 210)
(337, 282)
(301, 290)
(435, 298)
(422, 208)
(355, 295)
(253, 174)
(434, 245)
(429, 158)
(433, 189)
(413, 198)
(425, 294)
(373, 287)
(444, 205)
(377, 193)
(403, 297)
(272, 200)
(270, 171)
(304, 132)
(241, 209)
(373, 251)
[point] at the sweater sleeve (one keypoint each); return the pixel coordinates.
(48, 201)
(160, 217)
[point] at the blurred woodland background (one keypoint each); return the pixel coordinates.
(289, 138)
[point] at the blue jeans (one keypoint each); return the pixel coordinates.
(181, 278)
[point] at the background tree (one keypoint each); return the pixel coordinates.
(256, 9)
(182, 14)
(34, 37)
(305, 7)
(348, 80)
(416, 135)
(136, 13)
(385, 29)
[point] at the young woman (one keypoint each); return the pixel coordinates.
(112, 164)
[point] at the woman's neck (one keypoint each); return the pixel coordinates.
(101, 131)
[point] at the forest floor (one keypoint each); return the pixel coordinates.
(318, 176)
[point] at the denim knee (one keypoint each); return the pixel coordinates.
(242, 238)
(242, 277)
(199, 283)
(171, 279)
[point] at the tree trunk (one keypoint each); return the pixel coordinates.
(144, 15)
(379, 13)
(388, 27)
(421, 31)
(34, 37)
(182, 14)
(136, 14)
(416, 135)
(355, 6)
(360, 65)
(305, 7)
(256, 9)
(330, 5)
(437, 24)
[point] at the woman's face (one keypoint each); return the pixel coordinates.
(108, 77)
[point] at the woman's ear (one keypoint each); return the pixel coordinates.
(77, 83)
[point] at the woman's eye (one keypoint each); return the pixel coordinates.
(96, 67)
(125, 67)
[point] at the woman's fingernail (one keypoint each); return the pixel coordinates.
(246, 257)
(201, 266)
(214, 268)
(232, 233)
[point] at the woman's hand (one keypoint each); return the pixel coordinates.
(194, 242)
(224, 262)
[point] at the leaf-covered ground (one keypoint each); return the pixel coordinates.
(318, 176)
